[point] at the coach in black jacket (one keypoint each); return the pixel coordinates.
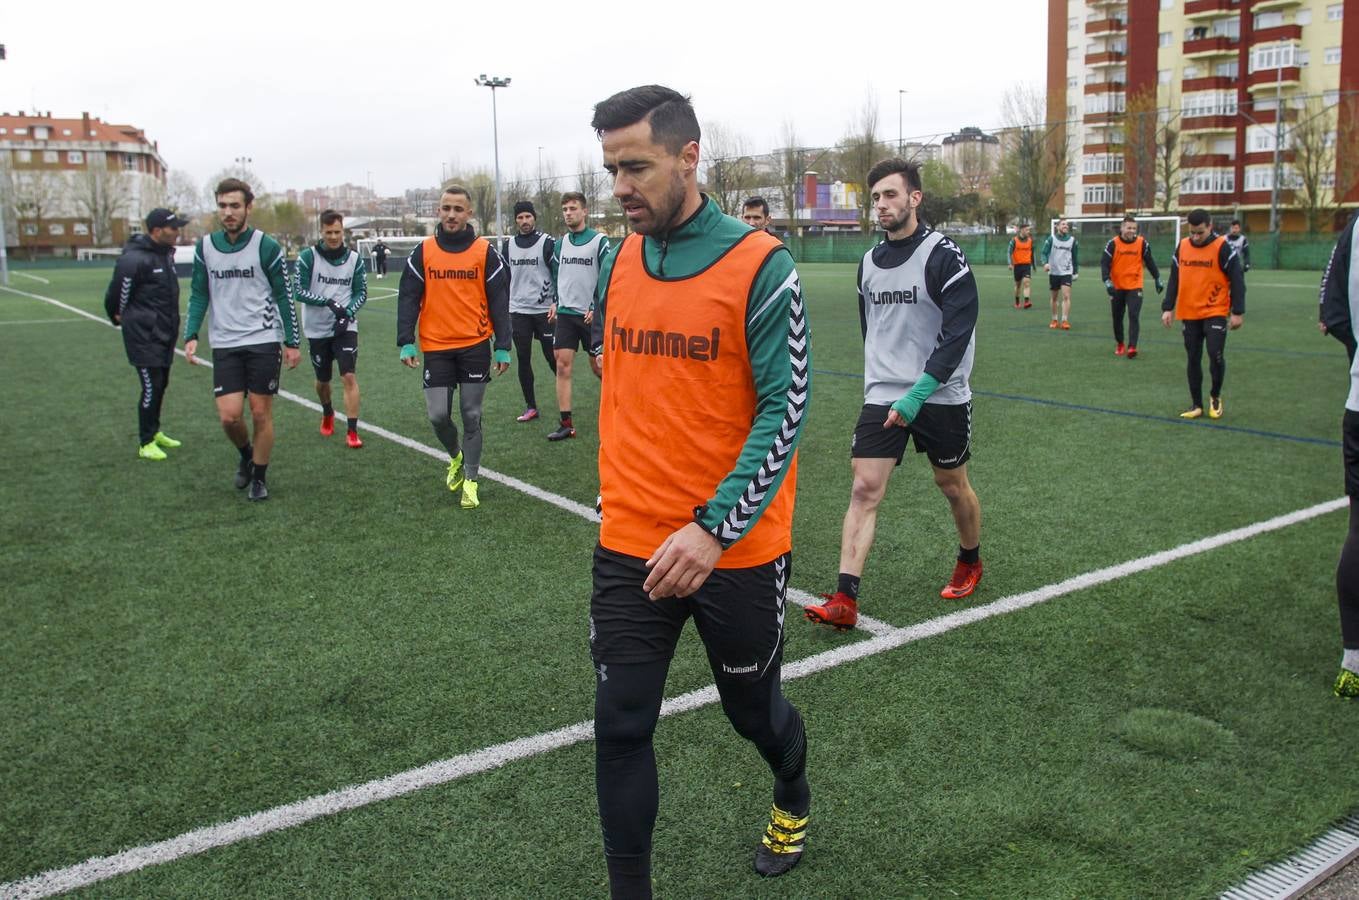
(143, 298)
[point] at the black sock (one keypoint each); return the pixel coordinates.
(848, 585)
(261, 470)
(629, 877)
(246, 452)
(566, 417)
(327, 410)
(969, 556)
(354, 425)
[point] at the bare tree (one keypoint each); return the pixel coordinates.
(1032, 171)
(973, 168)
(37, 196)
(8, 207)
(1312, 142)
(1171, 169)
(858, 151)
(730, 169)
(590, 181)
(1141, 142)
(101, 194)
(1347, 164)
(790, 161)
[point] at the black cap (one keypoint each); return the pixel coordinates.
(164, 218)
(525, 206)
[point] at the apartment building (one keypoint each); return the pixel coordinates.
(1207, 100)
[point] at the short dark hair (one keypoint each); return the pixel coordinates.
(896, 166)
(330, 217)
(576, 196)
(1236, 221)
(229, 185)
(1199, 217)
(456, 189)
(753, 202)
(1129, 217)
(673, 123)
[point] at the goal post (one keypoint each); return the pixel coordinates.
(1161, 232)
(398, 248)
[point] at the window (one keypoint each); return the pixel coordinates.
(129, 162)
(1073, 81)
(1164, 39)
(1073, 23)
(1103, 193)
(23, 156)
(1104, 103)
(40, 132)
(1332, 56)
(1230, 28)
(1302, 17)
(1071, 112)
(75, 157)
(21, 131)
(80, 228)
(56, 228)
(1260, 138)
(66, 132)
(1209, 103)
(1261, 178)
(1224, 146)
(49, 156)
(1102, 164)
(1167, 4)
(1191, 71)
(1072, 52)
(1163, 76)
(3, 130)
(1209, 181)
(1227, 69)
(1330, 98)
(1335, 12)
(1274, 56)
(1304, 58)
(1268, 20)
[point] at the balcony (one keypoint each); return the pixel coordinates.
(1106, 58)
(1216, 45)
(1276, 34)
(1206, 124)
(1267, 5)
(1206, 161)
(1208, 9)
(1265, 79)
(1103, 178)
(1091, 149)
(1266, 157)
(1211, 83)
(1188, 198)
(1109, 26)
(1105, 87)
(1096, 120)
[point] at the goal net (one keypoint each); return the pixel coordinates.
(1161, 232)
(398, 248)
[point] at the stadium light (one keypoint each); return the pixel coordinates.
(4, 239)
(494, 82)
(901, 146)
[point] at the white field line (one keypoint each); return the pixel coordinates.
(885, 637)
(40, 321)
(38, 278)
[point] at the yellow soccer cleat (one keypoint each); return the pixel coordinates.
(164, 440)
(151, 451)
(454, 479)
(469, 494)
(781, 847)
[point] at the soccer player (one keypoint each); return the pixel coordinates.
(332, 285)
(755, 213)
(238, 276)
(143, 299)
(1120, 269)
(575, 274)
(380, 252)
(703, 327)
(1063, 267)
(1339, 312)
(1019, 257)
(1240, 244)
(456, 289)
(918, 309)
(1207, 292)
(529, 255)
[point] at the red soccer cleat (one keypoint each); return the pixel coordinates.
(327, 425)
(1118, 349)
(839, 611)
(353, 440)
(964, 581)
(1132, 353)
(1066, 326)
(1028, 304)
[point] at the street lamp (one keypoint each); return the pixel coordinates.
(901, 146)
(494, 82)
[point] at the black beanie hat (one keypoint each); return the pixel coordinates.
(525, 206)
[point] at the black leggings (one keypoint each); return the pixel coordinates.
(153, 381)
(627, 705)
(526, 328)
(1212, 332)
(1130, 302)
(1347, 583)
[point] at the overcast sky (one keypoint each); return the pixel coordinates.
(317, 99)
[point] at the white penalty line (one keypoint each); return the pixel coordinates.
(487, 759)
(37, 278)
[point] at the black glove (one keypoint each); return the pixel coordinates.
(1109, 286)
(1159, 286)
(337, 309)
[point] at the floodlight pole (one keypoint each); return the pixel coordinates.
(901, 146)
(4, 239)
(494, 82)
(1278, 140)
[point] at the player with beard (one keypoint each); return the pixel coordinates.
(701, 323)
(1121, 270)
(529, 254)
(576, 264)
(918, 309)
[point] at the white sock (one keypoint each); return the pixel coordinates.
(1350, 661)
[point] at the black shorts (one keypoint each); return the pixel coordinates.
(572, 332)
(254, 368)
(1057, 281)
(449, 368)
(738, 614)
(1350, 440)
(342, 348)
(1022, 271)
(530, 326)
(943, 432)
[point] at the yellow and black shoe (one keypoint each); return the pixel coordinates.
(784, 839)
(1347, 685)
(1214, 407)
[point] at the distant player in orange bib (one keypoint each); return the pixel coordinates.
(1207, 293)
(1121, 270)
(1019, 257)
(455, 290)
(706, 380)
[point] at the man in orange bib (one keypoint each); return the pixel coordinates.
(1121, 270)
(706, 380)
(456, 289)
(1019, 256)
(1207, 293)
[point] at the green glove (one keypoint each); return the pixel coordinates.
(909, 406)
(408, 351)
(501, 356)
